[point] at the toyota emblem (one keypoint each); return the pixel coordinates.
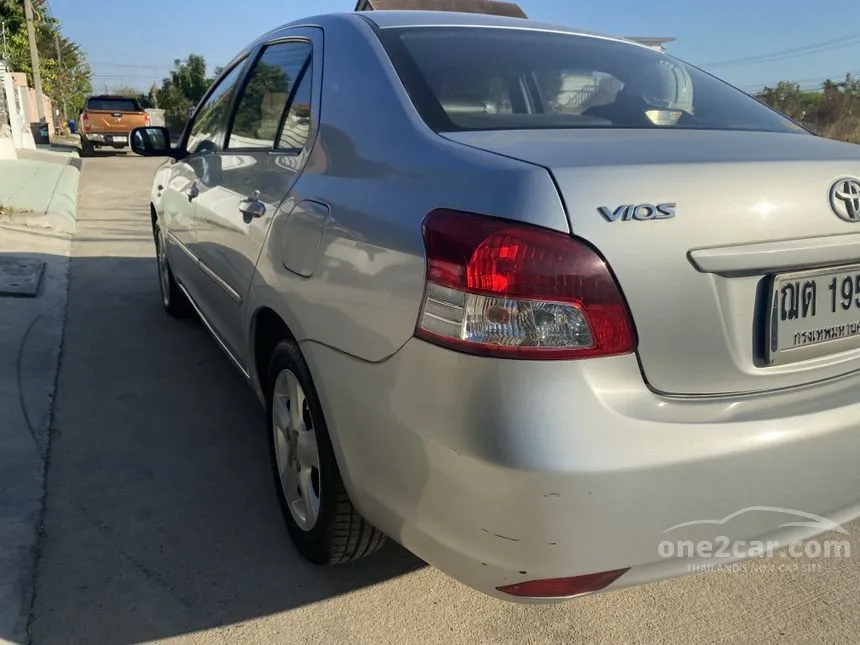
(845, 199)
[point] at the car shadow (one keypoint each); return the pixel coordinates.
(161, 516)
(121, 152)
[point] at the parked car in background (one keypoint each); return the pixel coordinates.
(106, 122)
(528, 300)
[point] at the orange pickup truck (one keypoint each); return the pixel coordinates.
(106, 121)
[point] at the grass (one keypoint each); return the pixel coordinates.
(845, 129)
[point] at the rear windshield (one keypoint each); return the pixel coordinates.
(464, 78)
(113, 105)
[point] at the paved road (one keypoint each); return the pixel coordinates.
(161, 523)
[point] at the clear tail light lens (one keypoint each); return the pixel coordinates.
(500, 288)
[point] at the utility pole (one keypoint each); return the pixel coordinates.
(5, 49)
(34, 59)
(62, 73)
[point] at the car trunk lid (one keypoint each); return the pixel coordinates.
(731, 294)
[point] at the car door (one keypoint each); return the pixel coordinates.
(204, 136)
(265, 150)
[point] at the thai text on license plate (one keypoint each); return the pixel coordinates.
(814, 313)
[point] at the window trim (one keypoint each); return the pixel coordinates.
(246, 78)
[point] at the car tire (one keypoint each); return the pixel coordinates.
(324, 526)
(173, 299)
(87, 148)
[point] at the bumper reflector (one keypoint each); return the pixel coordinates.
(564, 587)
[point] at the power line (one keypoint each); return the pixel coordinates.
(789, 53)
(140, 66)
(805, 83)
(799, 81)
(136, 66)
(125, 76)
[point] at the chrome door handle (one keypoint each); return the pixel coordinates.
(193, 191)
(252, 206)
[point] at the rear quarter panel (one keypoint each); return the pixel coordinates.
(378, 170)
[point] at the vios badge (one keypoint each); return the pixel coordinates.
(639, 212)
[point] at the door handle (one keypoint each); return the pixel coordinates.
(252, 206)
(193, 191)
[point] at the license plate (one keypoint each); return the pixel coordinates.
(119, 139)
(813, 313)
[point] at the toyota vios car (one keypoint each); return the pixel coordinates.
(532, 302)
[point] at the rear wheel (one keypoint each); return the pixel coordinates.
(87, 148)
(174, 300)
(321, 520)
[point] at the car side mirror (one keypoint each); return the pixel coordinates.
(151, 141)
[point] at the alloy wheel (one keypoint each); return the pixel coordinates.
(296, 450)
(163, 267)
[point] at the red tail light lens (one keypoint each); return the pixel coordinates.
(564, 587)
(147, 120)
(501, 288)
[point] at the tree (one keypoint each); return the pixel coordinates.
(182, 90)
(66, 75)
(833, 111)
(133, 93)
(788, 98)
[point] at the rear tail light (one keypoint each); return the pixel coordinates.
(501, 288)
(146, 120)
(85, 119)
(564, 587)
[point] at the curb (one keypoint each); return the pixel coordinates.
(63, 208)
(60, 213)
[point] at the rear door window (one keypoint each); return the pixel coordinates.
(210, 126)
(261, 108)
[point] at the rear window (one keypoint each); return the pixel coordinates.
(113, 105)
(464, 78)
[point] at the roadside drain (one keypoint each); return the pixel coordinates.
(20, 278)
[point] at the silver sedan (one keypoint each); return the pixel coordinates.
(556, 311)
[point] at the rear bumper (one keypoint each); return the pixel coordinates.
(500, 472)
(105, 138)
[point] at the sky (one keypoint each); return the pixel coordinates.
(749, 43)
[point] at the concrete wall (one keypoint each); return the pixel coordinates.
(156, 116)
(31, 110)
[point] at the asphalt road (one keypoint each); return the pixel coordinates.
(162, 526)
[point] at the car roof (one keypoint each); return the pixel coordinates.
(416, 18)
(393, 19)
